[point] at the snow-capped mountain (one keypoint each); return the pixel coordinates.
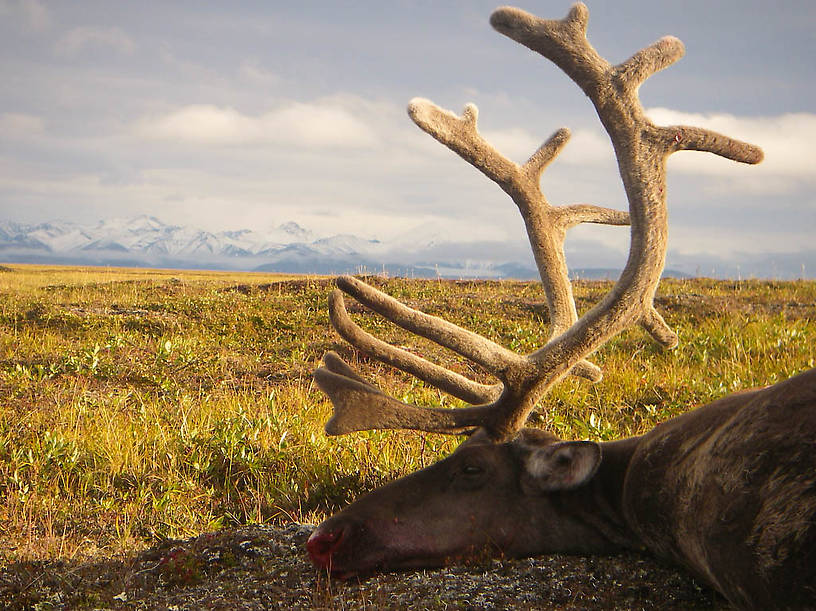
(289, 247)
(425, 250)
(145, 235)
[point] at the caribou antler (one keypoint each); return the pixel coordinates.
(641, 149)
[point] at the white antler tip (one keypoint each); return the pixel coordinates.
(578, 13)
(673, 46)
(505, 19)
(562, 134)
(417, 106)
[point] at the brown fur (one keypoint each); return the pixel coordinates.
(727, 490)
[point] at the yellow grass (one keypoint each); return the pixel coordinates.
(142, 404)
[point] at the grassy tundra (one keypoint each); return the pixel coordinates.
(137, 405)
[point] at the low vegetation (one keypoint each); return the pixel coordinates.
(142, 405)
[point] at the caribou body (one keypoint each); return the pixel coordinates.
(727, 490)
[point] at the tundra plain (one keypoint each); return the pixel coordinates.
(140, 406)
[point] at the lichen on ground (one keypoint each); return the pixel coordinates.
(264, 567)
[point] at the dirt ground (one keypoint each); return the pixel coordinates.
(262, 567)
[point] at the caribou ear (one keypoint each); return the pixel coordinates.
(562, 466)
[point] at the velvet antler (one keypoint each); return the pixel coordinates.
(641, 149)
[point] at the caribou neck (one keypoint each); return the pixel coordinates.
(601, 505)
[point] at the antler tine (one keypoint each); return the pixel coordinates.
(440, 377)
(653, 323)
(641, 149)
(494, 358)
(359, 406)
(698, 139)
(614, 89)
(546, 225)
(576, 214)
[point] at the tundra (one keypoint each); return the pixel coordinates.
(727, 490)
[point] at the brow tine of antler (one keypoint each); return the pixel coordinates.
(334, 363)
(440, 377)
(358, 406)
(496, 359)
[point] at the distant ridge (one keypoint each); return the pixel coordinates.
(146, 241)
(601, 273)
(424, 251)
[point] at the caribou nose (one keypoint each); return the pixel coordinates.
(322, 544)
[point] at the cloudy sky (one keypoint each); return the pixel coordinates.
(250, 114)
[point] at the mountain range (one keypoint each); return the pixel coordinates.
(422, 251)
(145, 241)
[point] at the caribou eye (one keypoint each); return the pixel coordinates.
(469, 476)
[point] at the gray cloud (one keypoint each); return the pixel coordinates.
(260, 114)
(31, 14)
(95, 39)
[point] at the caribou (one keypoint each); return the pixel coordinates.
(727, 490)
